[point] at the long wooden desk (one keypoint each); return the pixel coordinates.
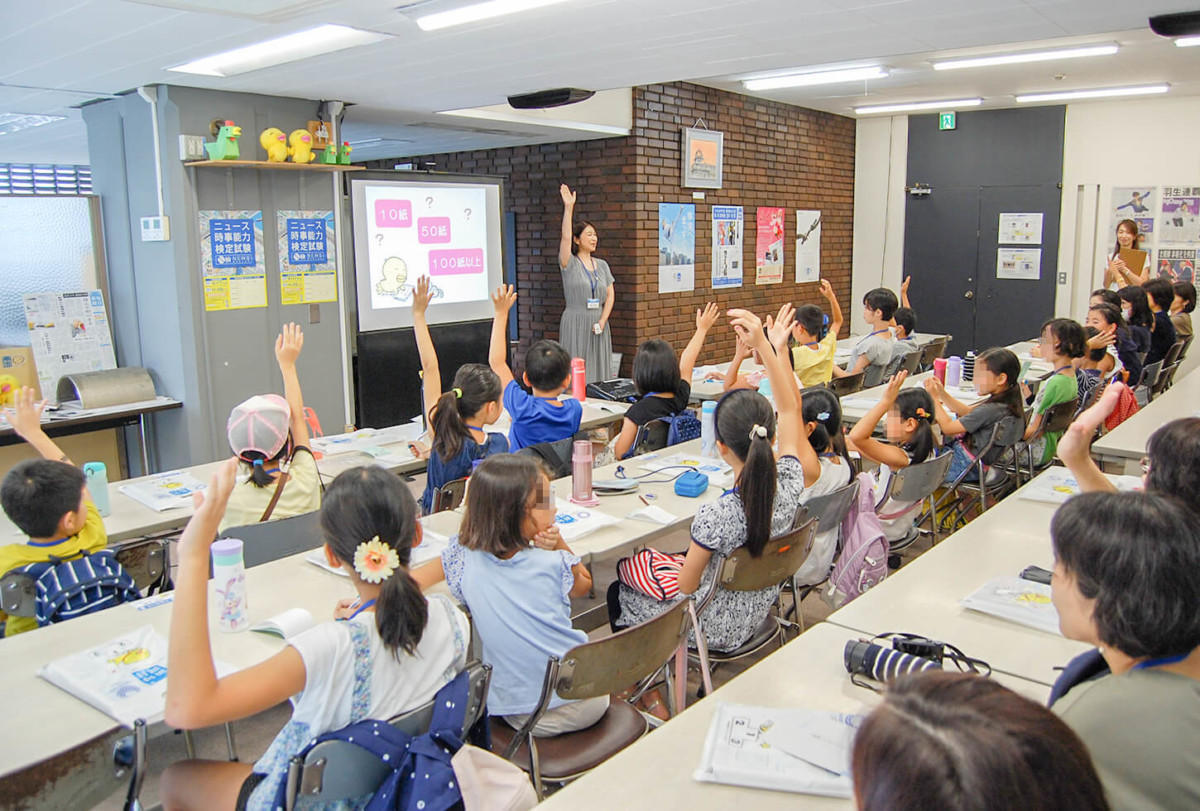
(656, 772)
(1127, 442)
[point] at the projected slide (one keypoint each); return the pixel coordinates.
(439, 231)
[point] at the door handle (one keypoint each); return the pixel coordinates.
(969, 294)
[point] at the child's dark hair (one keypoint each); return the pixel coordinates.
(1132, 227)
(655, 368)
(364, 503)
(547, 365)
(577, 231)
(812, 318)
(822, 407)
(739, 414)
(916, 404)
(883, 300)
(1110, 314)
(260, 465)
(1161, 291)
(1141, 315)
(475, 385)
(1069, 338)
(497, 502)
(1000, 361)
(1187, 292)
(1094, 355)
(1174, 454)
(906, 318)
(1109, 297)
(37, 493)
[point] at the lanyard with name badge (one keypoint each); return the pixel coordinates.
(593, 277)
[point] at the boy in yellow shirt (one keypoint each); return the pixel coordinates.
(48, 500)
(812, 356)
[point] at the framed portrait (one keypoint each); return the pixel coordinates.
(703, 158)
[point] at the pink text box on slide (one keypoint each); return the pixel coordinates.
(456, 262)
(433, 230)
(393, 214)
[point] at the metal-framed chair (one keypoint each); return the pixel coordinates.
(1167, 374)
(841, 386)
(272, 540)
(994, 478)
(590, 670)
(1145, 385)
(916, 484)
(148, 561)
(829, 511)
(931, 351)
(450, 495)
(335, 771)
(1056, 419)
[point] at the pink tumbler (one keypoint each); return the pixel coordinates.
(581, 474)
(579, 380)
(939, 370)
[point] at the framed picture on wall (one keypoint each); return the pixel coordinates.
(702, 159)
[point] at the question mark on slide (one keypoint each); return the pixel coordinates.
(468, 213)
(379, 240)
(429, 202)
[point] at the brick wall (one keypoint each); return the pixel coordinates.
(775, 155)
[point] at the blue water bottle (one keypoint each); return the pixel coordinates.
(97, 483)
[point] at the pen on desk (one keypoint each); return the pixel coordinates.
(644, 500)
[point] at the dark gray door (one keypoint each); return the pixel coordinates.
(941, 254)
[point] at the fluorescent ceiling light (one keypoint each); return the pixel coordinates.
(15, 122)
(918, 106)
(289, 48)
(1187, 42)
(1028, 56)
(816, 77)
(536, 121)
(374, 143)
(1068, 95)
(479, 11)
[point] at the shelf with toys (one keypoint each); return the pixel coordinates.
(301, 150)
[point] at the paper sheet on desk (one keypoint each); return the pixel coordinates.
(164, 491)
(366, 439)
(1058, 484)
(574, 521)
(655, 515)
(1021, 601)
(745, 747)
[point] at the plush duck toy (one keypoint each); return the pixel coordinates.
(225, 148)
(300, 146)
(275, 142)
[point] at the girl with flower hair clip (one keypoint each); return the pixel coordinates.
(388, 650)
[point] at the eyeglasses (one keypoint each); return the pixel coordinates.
(1144, 464)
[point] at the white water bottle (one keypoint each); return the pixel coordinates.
(229, 572)
(97, 483)
(708, 428)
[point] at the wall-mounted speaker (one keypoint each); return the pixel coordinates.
(557, 97)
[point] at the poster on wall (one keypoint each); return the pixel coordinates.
(1019, 263)
(1178, 264)
(1135, 203)
(307, 264)
(676, 247)
(232, 261)
(768, 246)
(808, 246)
(1181, 214)
(1020, 229)
(68, 333)
(727, 231)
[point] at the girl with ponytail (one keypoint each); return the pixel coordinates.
(456, 418)
(762, 503)
(386, 652)
(829, 470)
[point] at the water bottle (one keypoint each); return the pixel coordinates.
(97, 483)
(968, 373)
(581, 474)
(764, 387)
(953, 372)
(229, 573)
(708, 428)
(939, 370)
(578, 378)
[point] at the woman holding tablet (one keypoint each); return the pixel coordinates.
(588, 288)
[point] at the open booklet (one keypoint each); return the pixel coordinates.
(287, 624)
(1058, 484)
(799, 750)
(1016, 600)
(164, 491)
(125, 678)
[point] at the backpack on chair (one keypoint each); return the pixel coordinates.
(862, 561)
(66, 589)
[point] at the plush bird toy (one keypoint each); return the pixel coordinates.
(300, 146)
(344, 153)
(275, 142)
(225, 148)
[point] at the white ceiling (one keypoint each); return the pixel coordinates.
(57, 55)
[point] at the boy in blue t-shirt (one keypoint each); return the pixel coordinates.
(537, 417)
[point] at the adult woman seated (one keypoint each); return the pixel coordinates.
(1125, 580)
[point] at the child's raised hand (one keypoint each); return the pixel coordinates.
(201, 529)
(1102, 339)
(780, 327)
(25, 416)
(749, 328)
(934, 387)
(894, 385)
(288, 345)
(1077, 439)
(504, 298)
(421, 297)
(904, 285)
(826, 289)
(706, 318)
(568, 196)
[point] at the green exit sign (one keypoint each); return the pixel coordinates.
(946, 121)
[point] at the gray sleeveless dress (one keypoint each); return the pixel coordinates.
(575, 327)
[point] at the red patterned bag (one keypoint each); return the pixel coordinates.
(653, 573)
(1127, 406)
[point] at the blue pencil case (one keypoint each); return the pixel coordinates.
(691, 484)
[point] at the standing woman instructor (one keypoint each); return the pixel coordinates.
(588, 289)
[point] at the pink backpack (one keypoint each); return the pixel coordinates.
(862, 562)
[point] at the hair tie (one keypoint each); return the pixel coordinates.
(457, 393)
(375, 561)
(758, 431)
(824, 415)
(921, 412)
(258, 462)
